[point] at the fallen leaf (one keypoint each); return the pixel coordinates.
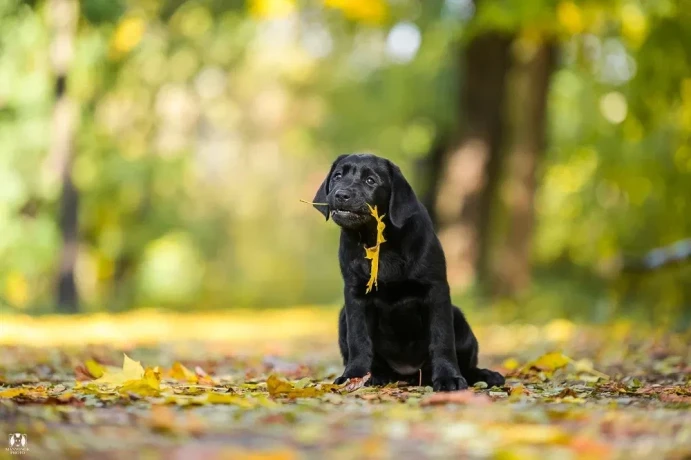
(149, 385)
(302, 383)
(225, 398)
(82, 373)
(90, 370)
(94, 368)
(28, 392)
(511, 364)
(66, 397)
(181, 373)
(674, 398)
(277, 386)
(550, 362)
(517, 392)
(203, 377)
(356, 383)
(131, 370)
(567, 392)
(281, 388)
(586, 366)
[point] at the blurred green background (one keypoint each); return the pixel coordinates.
(153, 152)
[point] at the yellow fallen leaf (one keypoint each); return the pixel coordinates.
(28, 392)
(277, 386)
(182, 400)
(373, 252)
(90, 370)
(149, 385)
(282, 389)
(550, 362)
(511, 364)
(226, 398)
(94, 368)
(65, 397)
(131, 370)
(131, 379)
(586, 366)
(517, 392)
(180, 372)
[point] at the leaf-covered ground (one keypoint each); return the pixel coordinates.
(258, 385)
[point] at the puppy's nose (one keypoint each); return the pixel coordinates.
(342, 196)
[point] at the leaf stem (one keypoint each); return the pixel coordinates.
(315, 204)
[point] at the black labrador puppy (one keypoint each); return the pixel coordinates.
(406, 329)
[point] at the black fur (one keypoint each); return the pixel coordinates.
(406, 329)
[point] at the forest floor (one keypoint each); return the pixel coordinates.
(257, 385)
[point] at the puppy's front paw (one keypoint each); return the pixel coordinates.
(493, 379)
(449, 384)
(351, 372)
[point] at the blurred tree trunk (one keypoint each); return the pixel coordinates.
(63, 22)
(467, 179)
(510, 270)
(429, 168)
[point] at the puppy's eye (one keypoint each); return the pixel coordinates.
(337, 176)
(371, 181)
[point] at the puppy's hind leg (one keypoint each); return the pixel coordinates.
(343, 335)
(466, 353)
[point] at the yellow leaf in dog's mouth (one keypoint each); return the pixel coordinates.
(373, 252)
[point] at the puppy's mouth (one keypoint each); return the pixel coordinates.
(348, 218)
(346, 213)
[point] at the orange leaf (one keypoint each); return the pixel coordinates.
(204, 378)
(82, 373)
(356, 383)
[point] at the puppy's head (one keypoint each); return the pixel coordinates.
(357, 180)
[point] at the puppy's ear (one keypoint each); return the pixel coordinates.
(403, 203)
(323, 191)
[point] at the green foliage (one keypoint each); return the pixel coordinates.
(202, 123)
